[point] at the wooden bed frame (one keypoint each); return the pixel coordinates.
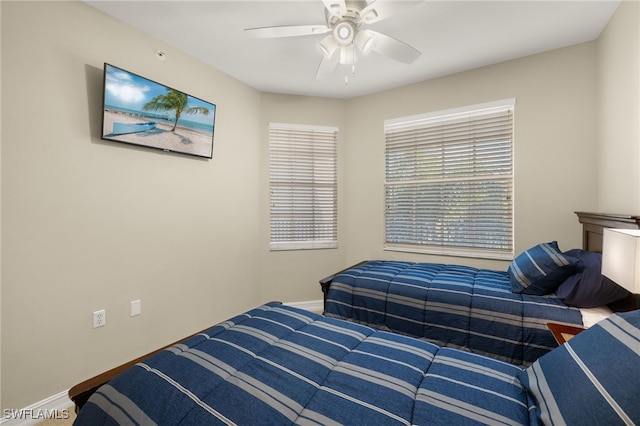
(81, 392)
(592, 225)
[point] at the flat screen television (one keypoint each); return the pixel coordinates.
(139, 111)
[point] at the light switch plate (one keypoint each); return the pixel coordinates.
(136, 307)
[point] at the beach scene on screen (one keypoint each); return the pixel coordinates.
(142, 112)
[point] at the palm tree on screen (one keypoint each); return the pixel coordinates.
(173, 100)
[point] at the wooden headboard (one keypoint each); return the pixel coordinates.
(594, 223)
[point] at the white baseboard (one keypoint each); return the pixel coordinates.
(58, 406)
(309, 305)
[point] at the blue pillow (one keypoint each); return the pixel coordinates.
(592, 379)
(589, 288)
(541, 269)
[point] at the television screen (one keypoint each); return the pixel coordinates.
(142, 112)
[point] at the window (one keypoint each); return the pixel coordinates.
(303, 187)
(449, 182)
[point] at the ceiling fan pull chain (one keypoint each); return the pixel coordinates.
(346, 74)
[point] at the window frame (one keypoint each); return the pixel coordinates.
(443, 241)
(303, 202)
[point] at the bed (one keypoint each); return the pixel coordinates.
(277, 364)
(501, 314)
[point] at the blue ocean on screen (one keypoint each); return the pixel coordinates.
(165, 118)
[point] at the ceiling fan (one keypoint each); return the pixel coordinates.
(348, 38)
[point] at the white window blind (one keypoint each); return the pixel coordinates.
(303, 187)
(449, 182)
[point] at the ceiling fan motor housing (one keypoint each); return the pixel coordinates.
(344, 32)
(345, 27)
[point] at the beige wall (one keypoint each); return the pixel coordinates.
(619, 112)
(88, 225)
(555, 140)
(293, 275)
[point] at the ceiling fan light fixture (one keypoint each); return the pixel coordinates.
(328, 46)
(365, 41)
(347, 55)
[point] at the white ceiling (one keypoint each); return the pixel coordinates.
(453, 36)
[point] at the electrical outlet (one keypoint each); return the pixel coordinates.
(99, 318)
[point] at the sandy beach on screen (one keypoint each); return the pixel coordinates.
(182, 140)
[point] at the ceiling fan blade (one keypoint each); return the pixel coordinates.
(336, 7)
(393, 48)
(381, 9)
(328, 65)
(286, 31)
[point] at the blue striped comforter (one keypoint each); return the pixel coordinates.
(281, 365)
(450, 305)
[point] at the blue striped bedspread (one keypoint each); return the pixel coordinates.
(450, 305)
(282, 365)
